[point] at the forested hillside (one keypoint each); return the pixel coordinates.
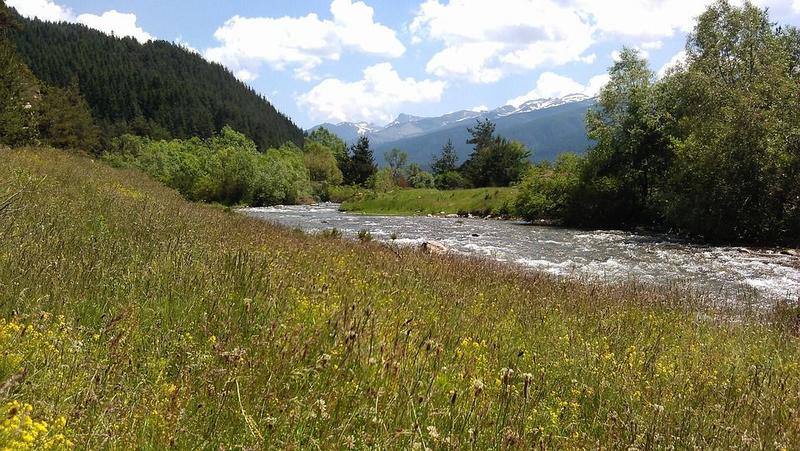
(157, 89)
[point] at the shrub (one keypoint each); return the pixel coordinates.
(451, 180)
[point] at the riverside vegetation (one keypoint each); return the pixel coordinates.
(133, 317)
(477, 201)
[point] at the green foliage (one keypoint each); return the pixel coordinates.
(65, 119)
(631, 153)
(361, 165)
(446, 161)
(736, 129)
(396, 159)
(494, 161)
(225, 168)
(548, 191)
(451, 180)
(418, 178)
(18, 91)
(151, 88)
(364, 236)
(712, 149)
(477, 201)
(381, 181)
(323, 168)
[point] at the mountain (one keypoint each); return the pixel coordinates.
(158, 88)
(548, 126)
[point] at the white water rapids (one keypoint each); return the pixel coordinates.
(722, 272)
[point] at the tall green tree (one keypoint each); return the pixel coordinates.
(495, 161)
(65, 119)
(328, 139)
(362, 162)
(630, 150)
(736, 128)
(18, 89)
(396, 159)
(446, 161)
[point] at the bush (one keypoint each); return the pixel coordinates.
(418, 178)
(226, 168)
(382, 181)
(548, 191)
(451, 180)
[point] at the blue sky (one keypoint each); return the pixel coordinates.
(337, 60)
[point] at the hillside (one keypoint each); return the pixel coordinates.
(131, 318)
(157, 88)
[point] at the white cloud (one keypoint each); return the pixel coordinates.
(110, 22)
(375, 98)
(116, 23)
(550, 85)
(796, 6)
(486, 40)
(678, 59)
(302, 43)
(479, 108)
(245, 75)
(43, 9)
(651, 45)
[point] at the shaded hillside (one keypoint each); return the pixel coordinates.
(157, 89)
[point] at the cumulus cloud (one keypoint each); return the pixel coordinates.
(302, 43)
(375, 98)
(486, 40)
(42, 9)
(116, 23)
(110, 22)
(550, 85)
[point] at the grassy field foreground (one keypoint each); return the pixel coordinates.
(477, 201)
(132, 318)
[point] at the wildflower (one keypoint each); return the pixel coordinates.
(506, 375)
(477, 386)
(433, 432)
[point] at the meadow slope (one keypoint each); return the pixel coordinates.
(132, 318)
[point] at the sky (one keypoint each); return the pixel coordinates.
(348, 60)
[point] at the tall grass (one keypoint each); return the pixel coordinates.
(132, 318)
(476, 201)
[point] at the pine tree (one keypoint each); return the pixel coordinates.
(447, 161)
(362, 163)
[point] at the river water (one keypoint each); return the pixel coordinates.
(722, 272)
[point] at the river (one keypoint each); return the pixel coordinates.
(722, 272)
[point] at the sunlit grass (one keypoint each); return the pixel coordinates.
(477, 201)
(147, 321)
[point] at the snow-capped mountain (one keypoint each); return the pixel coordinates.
(407, 131)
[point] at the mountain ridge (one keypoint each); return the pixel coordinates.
(420, 136)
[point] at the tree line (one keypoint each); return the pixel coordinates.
(711, 149)
(156, 89)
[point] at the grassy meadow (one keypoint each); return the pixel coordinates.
(130, 317)
(476, 201)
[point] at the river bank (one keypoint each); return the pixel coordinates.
(730, 273)
(483, 202)
(129, 315)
